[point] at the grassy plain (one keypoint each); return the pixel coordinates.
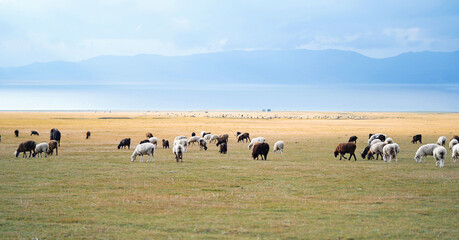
(93, 191)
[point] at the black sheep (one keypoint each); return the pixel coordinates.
(125, 143)
(353, 139)
(417, 138)
(24, 147)
(260, 149)
(55, 134)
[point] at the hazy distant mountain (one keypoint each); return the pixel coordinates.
(271, 67)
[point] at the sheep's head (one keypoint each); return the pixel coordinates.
(370, 156)
(133, 157)
(336, 153)
(16, 153)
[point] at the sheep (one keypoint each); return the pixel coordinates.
(375, 141)
(125, 143)
(204, 133)
(213, 138)
(145, 141)
(223, 148)
(454, 137)
(279, 146)
(180, 137)
(41, 148)
(88, 134)
(344, 148)
(255, 140)
(165, 143)
(455, 153)
(417, 138)
(222, 139)
(194, 140)
(260, 149)
(452, 143)
(182, 142)
(144, 148)
(207, 137)
(202, 144)
(148, 135)
(16, 133)
(424, 151)
(353, 139)
(55, 134)
(243, 136)
(34, 133)
(377, 149)
(51, 146)
(178, 150)
(24, 147)
(441, 141)
(390, 151)
(365, 153)
(193, 134)
(439, 154)
(153, 140)
(379, 136)
(238, 133)
(389, 141)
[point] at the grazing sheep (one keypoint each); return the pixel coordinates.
(390, 151)
(55, 134)
(207, 138)
(154, 140)
(34, 133)
(417, 138)
(202, 144)
(424, 151)
(41, 148)
(223, 148)
(204, 133)
(144, 141)
(353, 139)
(375, 141)
(455, 137)
(213, 138)
(125, 143)
(16, 133)
(238, 133)
(256, 140)
(222, 139)
(182, 142)
(88, 134)
(180, 137)
(260, 149)
(24, 147)
(144, 148)
(389, 140)
(452, 143)
(377, 149)
(344, 148)
(243, 136)
(165, 143)
(441, 141)
(194, 140)
(279, 146)
(455, 153)
(439, 154)
(51, 146)
(178, 150)
(148, 135)
(365, 153)
(379, 136)
(193, 134)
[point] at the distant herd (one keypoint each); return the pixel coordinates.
(379, 145)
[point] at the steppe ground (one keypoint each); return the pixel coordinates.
(93, 191)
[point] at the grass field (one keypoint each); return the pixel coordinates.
(93, 191)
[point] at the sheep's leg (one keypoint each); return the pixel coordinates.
(141, 158)
(355, 158)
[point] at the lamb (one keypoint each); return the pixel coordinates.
(424, 151)
(439, 154)
(390, 151)
(375, 141)
(260, 149)
(353, 139)
(178, 150)
(194, 140)
(144, 148)
(41, 148)
(389, 140)
(417, 138)
(441, 141)
(154, 140)
(256, 140)
(376, 149)
(213, 138)
(379, 136)
(455, 153)
(34, 133)
(243, 136)
(16, 133)
(344, 148)
(148, 135)
(223, 148)
(202, 144)
(51, 146)
(24, 147)
(165, 143)
(279, 146)
(125, 143)
(55, 134)
(452, 143)
(88, 134)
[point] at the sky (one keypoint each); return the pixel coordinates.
(54, 30)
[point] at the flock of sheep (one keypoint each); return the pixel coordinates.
(380, 145)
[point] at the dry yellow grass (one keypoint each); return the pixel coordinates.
(92, 190)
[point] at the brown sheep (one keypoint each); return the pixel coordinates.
(222, 139)
(454, 137)
(260, 149)
(223, 148)
(149, 135)
(344, 148)
(53, 144)
(24, 147)
(165, 143)
(243, 136)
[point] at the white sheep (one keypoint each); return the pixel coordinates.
(424, 151)
(194, 140)
(441, 141)
(154, 140)
(180, 137)
(256, 140)
(279, 146)
(455, 153)
(182, 142)
(452, 143)
(213, 138)
(375, 141)
(142, 149)
(439, 154)
(202, 144)
(377, 149)
(41, 148)
(375, 136)
(389, 141)
(207, 137)
(178, 150)
(390, 151)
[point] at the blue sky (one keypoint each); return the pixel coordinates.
(50, 30)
